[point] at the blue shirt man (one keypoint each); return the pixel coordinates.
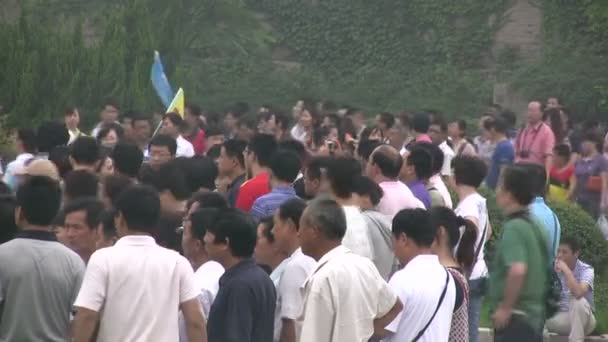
(503, 155)
(267, 205)
(284, 168)
(548, 221)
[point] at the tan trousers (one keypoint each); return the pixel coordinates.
(577, 323)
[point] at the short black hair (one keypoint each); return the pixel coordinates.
(422, 161)
(111, 102)
(39, 198)
(328, 217)
(562, 150)
(238, 109)
(469, 170)
(366, 147)
(421, 122)
(60, 156)
(175, 119)
(416, 225)
(127, 158)
(594, 138)
(166, 141)
(213, 130)
(539, 174)
(364, 186)
(114, 185)
(50, 134)
(572, 243)
(342, 173)
(85, 150)
(80, 183)
(172, 177)
(436, 154)
(200, 172)
(263, 145)
(438, 120)
(139, 205)
(292, 209)
(8, 203)
(214, 152)
(27, 136)
(499, 124)
(388, 160)
(267, 224)
(509, 117)
(248, 121)
(388, 119)
(92, 207)
(140, 117)
(515, 179)
(236, 229)
(206, 199)
(234, 149)
(107, 224)
(194, 109)
(107, 128)
(316, 165)
(285, 165)
(295, 146)
(201, 219)
(279, 117)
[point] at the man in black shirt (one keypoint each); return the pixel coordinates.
(243, 310)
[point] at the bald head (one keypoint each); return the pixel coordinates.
(535, 112)
(388, 161)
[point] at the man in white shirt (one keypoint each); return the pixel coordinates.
(345, 298)
(207, 272)
(424, 286)
(172, 124)
(297, 269)
(25, 143)
(342, 173)
(133, 290)
(383, 167)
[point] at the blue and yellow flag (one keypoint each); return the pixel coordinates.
(160, 81)
(177, 105)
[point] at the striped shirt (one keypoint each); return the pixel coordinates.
(266, 205)
(583, 273)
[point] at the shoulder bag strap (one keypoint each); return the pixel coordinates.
(554, 235)
(483, 238)
(445, 287)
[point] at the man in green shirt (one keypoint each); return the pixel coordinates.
(519, 277)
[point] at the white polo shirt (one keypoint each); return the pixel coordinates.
(475, 206)
(357, 238)
(184, 148)
(419, 286)
(343, 297)
(448, 155)
(206, 279)
(137, 287)
(289, 299)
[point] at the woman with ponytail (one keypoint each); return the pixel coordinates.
(459, 265)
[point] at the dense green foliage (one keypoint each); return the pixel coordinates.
(574, 62)
(378, 55)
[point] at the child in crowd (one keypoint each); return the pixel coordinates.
(560, 177)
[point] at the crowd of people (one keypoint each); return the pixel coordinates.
(311, 226)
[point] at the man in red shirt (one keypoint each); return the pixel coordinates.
(195, 135)
(257, 158)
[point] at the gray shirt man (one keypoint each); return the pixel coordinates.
(39, 281)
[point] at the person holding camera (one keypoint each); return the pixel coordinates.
(534, 143)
